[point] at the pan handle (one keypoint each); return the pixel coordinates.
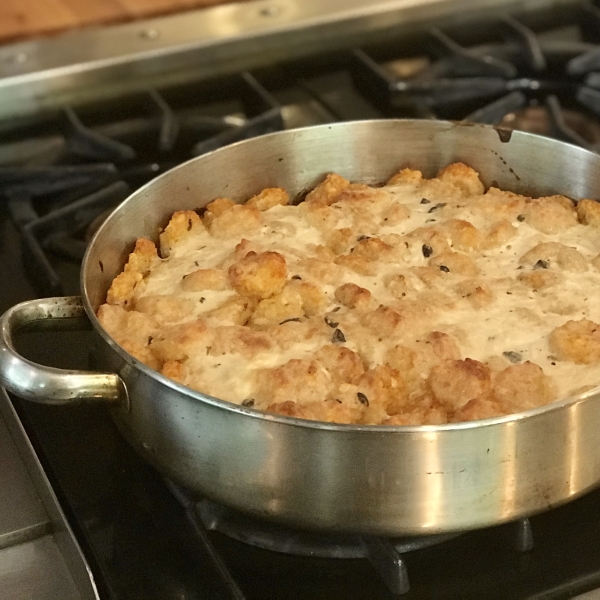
(48, 385)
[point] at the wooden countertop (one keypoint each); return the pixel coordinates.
(25, 19)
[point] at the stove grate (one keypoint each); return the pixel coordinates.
(53, 203)
(495, 82)
(384, 554)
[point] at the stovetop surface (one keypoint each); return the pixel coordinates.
(133, 530)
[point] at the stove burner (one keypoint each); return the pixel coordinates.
(523, 82)
(385, 554)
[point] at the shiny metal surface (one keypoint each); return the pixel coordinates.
(35, 570)
(39, 556)
(384, 480)
(22, 514)
(593, 595)
(106, 61)
(50, 385)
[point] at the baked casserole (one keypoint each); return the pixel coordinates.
(423, 301)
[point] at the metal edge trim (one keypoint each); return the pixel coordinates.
(208, 42)
(63, 534)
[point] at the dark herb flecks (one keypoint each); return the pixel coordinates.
(436, 206)
(294, 319)
(520, 218)
(202, 300)
(444, 268)
(296, 277)
(331, 323)
(363, 237)
(427, 250)
(362, 398)
(338, 337)
(541, 264)
(425, 201)
(514, 357)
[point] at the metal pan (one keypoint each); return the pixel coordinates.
(374, 479)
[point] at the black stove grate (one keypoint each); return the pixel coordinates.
(524, 79)
(60, 174)
(386, 555)
(91, 168)
(489, 83)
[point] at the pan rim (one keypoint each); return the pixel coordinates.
(437, 125)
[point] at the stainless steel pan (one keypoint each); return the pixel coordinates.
(384, 480)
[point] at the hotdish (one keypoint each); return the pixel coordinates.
(393, 479)
(421, 302)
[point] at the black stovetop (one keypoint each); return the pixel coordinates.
(58, 172)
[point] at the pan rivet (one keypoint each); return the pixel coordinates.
(270, 11)
(149, 34)
(20, 58)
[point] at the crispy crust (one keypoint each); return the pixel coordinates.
(182, 225)
(367, 304)
(125, 286)
(588, 212)
(259, 275)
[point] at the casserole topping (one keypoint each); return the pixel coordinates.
(424, 301)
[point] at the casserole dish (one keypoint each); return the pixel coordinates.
(397, 480)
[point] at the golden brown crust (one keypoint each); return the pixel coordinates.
(463, 177)
(476, 292)
(549, 254)
(551, 214)
(343, 364)
(236, 339)
(124, 286)
(588, 212)
(522, 386)
(281, 307)
(236, 310)
(499, 234)
(477, 409)
(463, 235)
(455, 262)
(353, 296)
(500, 205)
(426, 301)
(327, 191)
(304, 380)
(577, 341)
(174, 370)
(269, 198)
(180, 342)
(183, 224)
(456, 382)
(259, 275)
(406, 176)
(539, 280)
(216, 208)
(205, 279)
(236, 221)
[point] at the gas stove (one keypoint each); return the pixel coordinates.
(67, 159)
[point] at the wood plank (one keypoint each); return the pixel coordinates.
(23, 19)
(89, 12)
